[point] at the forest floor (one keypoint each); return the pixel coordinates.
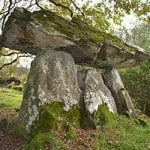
(121, 134)
(10, 101)
(8, 141)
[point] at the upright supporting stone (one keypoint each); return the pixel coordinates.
(114, 83)
(95, 91)
(95, 95)
(51, 92)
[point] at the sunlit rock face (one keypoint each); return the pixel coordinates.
(95, 92)
(53, 78)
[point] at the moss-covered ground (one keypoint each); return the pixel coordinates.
(10, 98)
(121, 133)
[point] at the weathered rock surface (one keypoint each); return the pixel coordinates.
(52, 79)
(53, 98)
(95, 91)
(122, 99)
(41, 30)
(56, 97)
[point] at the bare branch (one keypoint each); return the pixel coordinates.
(13, 61)
(6, 14)
(36, 2)
(63, 6)
(7, 9)
(6, 64)
(30, 5)
(12, 53)
(78, 8)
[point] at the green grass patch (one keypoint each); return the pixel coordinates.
(123, 134)
(10, 98)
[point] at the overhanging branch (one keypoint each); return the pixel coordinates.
(63, 6)
(78, 8)
(7, 64)
(13, 61)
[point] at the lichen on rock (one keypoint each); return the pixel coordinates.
(95, 91)
(52, 79)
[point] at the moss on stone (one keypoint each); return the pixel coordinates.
(102, 115)
(75, 29)
(54, 117)
(40, 141)
(70, 133)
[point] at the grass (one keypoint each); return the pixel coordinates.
(120, 134)
(123, 134)
(10, 98)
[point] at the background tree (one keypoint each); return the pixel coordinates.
(137, 82)
(140, 35)
(98, 14)
(9, 61)
(137, 79)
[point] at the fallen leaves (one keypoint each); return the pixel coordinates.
(7, 141)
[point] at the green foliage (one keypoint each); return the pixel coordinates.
(54, 117)
(141, 36)
(137, 82)
(99, 14)
(140, 8)
(71, 133)
(102, 115)
(10, 98)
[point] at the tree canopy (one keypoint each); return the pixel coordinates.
(100, 14)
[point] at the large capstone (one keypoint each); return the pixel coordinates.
(37, 31)
(52, 79)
